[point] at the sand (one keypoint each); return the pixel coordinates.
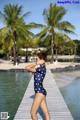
(5, 64)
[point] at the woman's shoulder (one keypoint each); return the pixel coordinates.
(37, 65)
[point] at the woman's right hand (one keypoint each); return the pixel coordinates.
(30, 68)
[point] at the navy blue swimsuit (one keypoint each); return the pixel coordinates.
(38, 79)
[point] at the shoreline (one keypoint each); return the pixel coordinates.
(7, 65)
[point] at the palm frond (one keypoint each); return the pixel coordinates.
(59, 15)
(26, 14)
(62, 36)
(43, 32)
(34, 25)
(66, 27)
(46, 16)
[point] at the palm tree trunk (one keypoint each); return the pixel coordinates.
(15, 55)
(52, 51)
(26, 56)
(56, 59)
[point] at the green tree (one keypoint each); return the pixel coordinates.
(54, 23)
(77, 47)
(70, 47)
(16, 28)
(14, 23)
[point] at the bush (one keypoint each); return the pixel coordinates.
(3, 55)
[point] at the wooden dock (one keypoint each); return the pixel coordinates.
(57, 107)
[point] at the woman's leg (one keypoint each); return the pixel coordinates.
(36, 103)
(44, 107)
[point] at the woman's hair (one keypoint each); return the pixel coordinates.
(42, 55)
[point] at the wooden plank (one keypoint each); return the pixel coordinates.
(57, 107)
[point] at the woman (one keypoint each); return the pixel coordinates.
(39, 71)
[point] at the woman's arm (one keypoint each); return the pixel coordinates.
(31, 68)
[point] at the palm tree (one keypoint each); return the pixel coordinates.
(5, 46)
(60, 42)
(14, 23)
(16, 28)
(53, 17)
(70, 47)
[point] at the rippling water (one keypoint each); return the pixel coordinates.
(70, 90)
(12, 89)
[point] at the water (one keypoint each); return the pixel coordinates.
(70, 91)
(12, 89)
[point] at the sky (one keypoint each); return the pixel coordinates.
(36, 8)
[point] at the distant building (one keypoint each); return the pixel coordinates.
(34, 49)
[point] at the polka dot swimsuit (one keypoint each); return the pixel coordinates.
(38, 79)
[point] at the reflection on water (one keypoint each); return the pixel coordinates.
(70, 91)
(12, 89)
